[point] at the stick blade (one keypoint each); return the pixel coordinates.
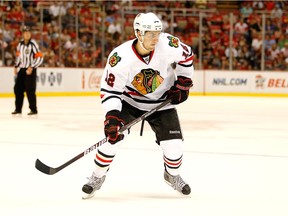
(44, 168)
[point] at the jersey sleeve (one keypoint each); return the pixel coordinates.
(113, 82)
(38, 56)
(182, 56)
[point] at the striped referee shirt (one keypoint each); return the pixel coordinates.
(28, 55)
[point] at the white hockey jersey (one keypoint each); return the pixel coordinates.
(142, 82)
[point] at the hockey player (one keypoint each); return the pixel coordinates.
(139, 75)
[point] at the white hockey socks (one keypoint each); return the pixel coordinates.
(172, 155)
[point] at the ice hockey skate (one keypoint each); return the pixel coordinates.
(177, 183)
(92, 185)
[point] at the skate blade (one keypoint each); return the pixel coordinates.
(178, 192)
(168, 183)
(87, 196)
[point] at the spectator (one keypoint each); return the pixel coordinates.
(278, 63)
(70, 44)
(68, 20)
(49, 57)
(284, 50)
(8, 56)
(64, 35)
(278, 31)
(254, 24)
(201, 4)
(207, 59)
(57, 9)
(84, 27)
(16, 15)
(216, 18)
(242, 41)
(277, 11)
(114, 28)
(257, 43)
(3, 44)
(246, 10)
(84, 42)
(258, 5)
(224, 63)
(247, 54)
(165, 21)
(269, 41)
(31, 15)
(226, 24)
(273, 52)
(269, 5)
(233, 52)
(241, 28)
(270, 26)
(283, 39)
(216, 61)
(8, 33)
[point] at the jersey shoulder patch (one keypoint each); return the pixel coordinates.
(114, 59)
(173, 41)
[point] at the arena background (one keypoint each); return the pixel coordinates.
(77, 36)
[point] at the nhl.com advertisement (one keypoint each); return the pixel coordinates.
(78, 81)
(249, 82)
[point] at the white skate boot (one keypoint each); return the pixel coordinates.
(177, 183)
(92, 185)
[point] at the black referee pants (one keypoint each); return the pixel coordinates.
(25, 83)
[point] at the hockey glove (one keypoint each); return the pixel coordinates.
(112, 124)
(180, 91)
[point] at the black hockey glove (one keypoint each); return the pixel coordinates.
(180, 91)
(112, 124)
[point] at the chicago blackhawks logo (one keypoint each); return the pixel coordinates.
(147, 81)
(173, 42)
(114, 59)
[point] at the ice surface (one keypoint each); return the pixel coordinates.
(235, 160)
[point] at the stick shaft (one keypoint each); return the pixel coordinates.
(50, 170)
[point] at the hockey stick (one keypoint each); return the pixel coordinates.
(50, 170)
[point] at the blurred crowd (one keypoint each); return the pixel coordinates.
(82, 33)
(247, 38)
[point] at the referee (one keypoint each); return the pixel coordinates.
(28, 58)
